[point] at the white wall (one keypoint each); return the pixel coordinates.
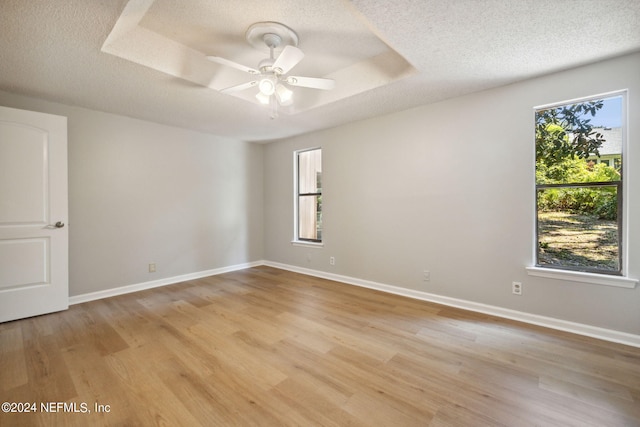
(141, 192)
(449, 188)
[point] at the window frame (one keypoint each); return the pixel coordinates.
(585, 274)
(297, 240)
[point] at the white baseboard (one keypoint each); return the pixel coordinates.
(78, 299)
(549, 322)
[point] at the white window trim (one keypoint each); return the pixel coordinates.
(307, 244)
(296, 241)
(622, 281)
(579, 276)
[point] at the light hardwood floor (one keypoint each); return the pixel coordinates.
(267, 347)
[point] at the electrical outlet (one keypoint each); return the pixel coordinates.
(426, 275)
(152, 267)
(332, 260)
(516, 288)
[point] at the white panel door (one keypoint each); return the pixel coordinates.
(34, 267)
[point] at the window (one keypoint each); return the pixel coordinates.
(579, 181)
(308, 206)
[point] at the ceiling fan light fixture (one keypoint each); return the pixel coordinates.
(262, 98)
(284, 95)
(267, 86)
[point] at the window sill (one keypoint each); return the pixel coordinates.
(578, 276)
(307, 244)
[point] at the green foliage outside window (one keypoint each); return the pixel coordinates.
(564, 133)
(564, 139)
(598, 201)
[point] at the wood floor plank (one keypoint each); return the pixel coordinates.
(315, 406)
(304, 364)
(237, 359)
(339, 335)
(371, 411)
(269, 347)
(12, 359)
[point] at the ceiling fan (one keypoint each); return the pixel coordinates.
(271, 75)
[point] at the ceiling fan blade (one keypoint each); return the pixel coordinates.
(311, 82)
(230, 63)
(288, 59)
(240, 87)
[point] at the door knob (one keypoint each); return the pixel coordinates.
(59, 224)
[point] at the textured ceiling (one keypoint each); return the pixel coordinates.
(145, 58)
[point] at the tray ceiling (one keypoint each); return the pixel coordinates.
(175, 40)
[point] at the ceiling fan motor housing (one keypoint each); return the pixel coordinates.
(266, 65)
